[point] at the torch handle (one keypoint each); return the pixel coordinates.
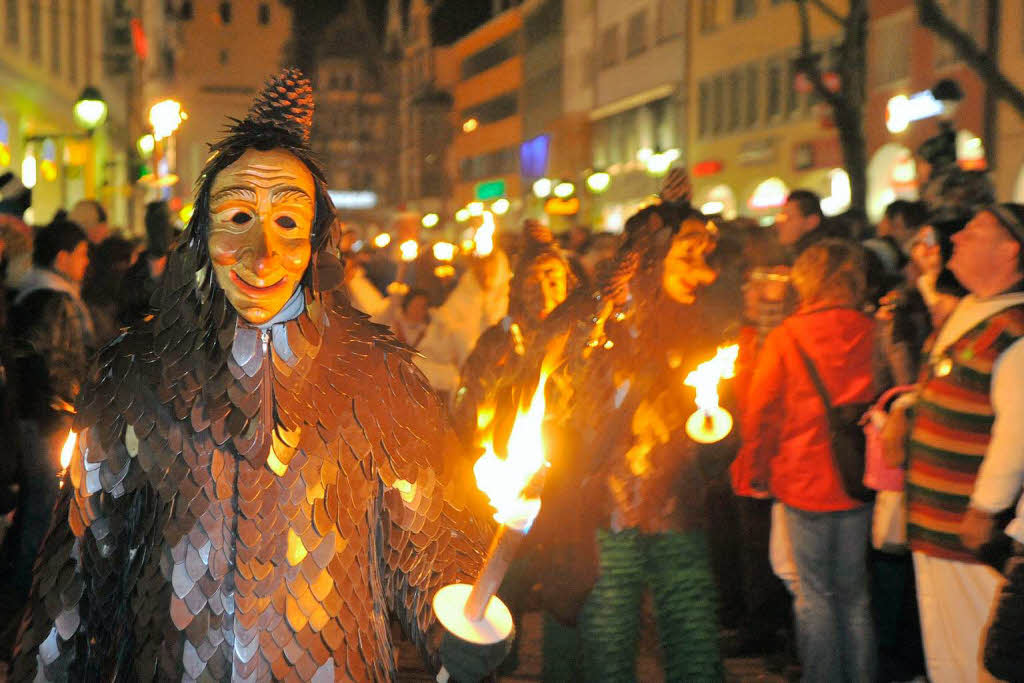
(499, 556)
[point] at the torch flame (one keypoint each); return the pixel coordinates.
(484, 236)
(409, 250)
(505, 479)
(711, 422)
(68, 449)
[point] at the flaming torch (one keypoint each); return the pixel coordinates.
(65, 455)
(711, 422)
(473, 613)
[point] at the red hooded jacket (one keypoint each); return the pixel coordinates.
(785, 433)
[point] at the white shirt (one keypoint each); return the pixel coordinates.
(1001, 475)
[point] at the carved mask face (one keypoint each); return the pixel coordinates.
(549, 278)
(261, 217)
(686, 268)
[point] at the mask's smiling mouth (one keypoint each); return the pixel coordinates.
(256, 290)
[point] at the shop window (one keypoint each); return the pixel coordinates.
(717, 104)
(264, 14)
(225, 12)
(744, 9)
(636, 34)
(610, 47)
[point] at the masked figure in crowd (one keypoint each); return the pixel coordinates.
(620, 404)
(262, 477)
(494, 372)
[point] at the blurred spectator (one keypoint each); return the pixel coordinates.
(15, 198)
(147, 270)
(111, 259)
(579, 239)
(901, 221)
(441, 351)
(479, 300)
(787, 452)
(799, 221)
(91, 217)
(53, 336)
(964, 456)
(602, 248)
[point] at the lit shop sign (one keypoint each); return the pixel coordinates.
(353, 199)
(901, 110)
(562, 207)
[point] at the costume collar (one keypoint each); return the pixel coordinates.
(289, 337)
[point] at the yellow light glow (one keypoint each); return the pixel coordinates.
(382, 240)
(462, 215)
(430, 220)
(186, 212)
(409, 250)
(501, 206)
(475, 208)
(469, 125)
(90, 113)
(146, 145)
(445, 271)
(467, 246)
(28, 170)
(710, 422)
(504, 480)
(165, 117)
(68, 449)
(483, 239)
(598, 181)
(444, 251)
(542, 188)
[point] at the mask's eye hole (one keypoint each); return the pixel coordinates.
(287, 222)
(241, 218)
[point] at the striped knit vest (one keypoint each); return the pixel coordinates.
(951, 431)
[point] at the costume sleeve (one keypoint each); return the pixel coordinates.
(78, 617)
(1001, 474)
(366, 297)
(760, 423)
(433, 528)
(55, 337)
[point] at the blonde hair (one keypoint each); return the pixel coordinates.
(831, 271)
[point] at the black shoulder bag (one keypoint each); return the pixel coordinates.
(845, 433)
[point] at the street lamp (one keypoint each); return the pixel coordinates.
(430, 220)
(90, 111)
(598, 181)
(564, 189)
(542, 188)
(501, 206)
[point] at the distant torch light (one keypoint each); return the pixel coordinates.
(382, 240)
(501, 206)
(444, 251)
(484, 237)
(430, 220)
(467, 246)
(542, 188)
(469, 125)
(475, 208)
(409, 250)
(462, 215)
(598, 181)
(165, 117)
(564, 190)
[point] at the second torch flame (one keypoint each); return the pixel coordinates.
(66, 451)
(711, 422)
(504, 480)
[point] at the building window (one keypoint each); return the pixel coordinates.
(610, 47)
(12, 19)
(225, 12)
(73, 42)
(735, 81)
(187, 11)
(744, 9)
(671, 19)
(773, 92)
(636, 34)
(491, 56)
(717, 104)
(35, 30)
(889, 42)
(55, 41)
(708, 15)
(224, 56)
(752, 96)
(703, 108)
(492, 110)
(264, 14)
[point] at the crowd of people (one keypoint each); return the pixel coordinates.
(862, 522)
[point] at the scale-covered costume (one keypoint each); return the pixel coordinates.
(251, 502)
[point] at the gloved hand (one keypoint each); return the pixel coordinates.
(468, 662)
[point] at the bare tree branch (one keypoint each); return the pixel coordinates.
(807, 62)
(931, 16)
(828, 11)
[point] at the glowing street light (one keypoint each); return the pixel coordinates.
(430, 220)
(501, 206)
(475, 208)
(444, 251)
(90, 110)
(146, 145)
(564, 189)
(462, 215)
(165, 117)
(598, 181)
(382, 240)
(542, 188)
(409, 250)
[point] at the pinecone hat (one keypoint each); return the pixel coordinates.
(285, 101)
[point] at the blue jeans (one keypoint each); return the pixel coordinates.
(833, 604)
